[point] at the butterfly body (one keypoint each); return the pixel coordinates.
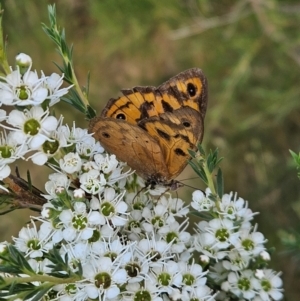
(152, 128)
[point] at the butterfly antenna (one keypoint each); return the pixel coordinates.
(189, 179)
(193, 187)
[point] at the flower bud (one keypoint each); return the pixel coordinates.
(24, 62)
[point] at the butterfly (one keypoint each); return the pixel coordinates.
(152, 128)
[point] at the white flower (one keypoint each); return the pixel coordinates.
(74, 135)
(113, 208)
(235, 208)
(218, 273)
(167, 276)
(174, 234)
(79, 223)
(270, 286)
(33, 242)
(33, 126)
(220, 233)
(201, 293)
(175, 205)
(136, 264)
(57, 183)
(51, 147)
(236, 261)
(202, 202)
(70, 163)
(206, 245)
(92, 182)
(157, 250)
(134, 291)
(242, 284)
(250, 243)
(102, 278)
(10, 151)
(22, 90)
(52, 84)
(89, 147)
(192, 276)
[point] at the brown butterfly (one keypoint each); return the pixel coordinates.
(152, 128)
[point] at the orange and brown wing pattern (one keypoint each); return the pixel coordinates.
(188, 88)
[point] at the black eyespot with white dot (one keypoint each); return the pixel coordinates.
(121, 116)
(191, 89)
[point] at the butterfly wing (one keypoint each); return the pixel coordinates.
(188, 88)
(176, 133)
(131, 144)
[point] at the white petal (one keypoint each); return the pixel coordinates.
(16, 118)
(112, 292)
(121, 207)
(6, 97)
(92, 292)
(95, 218)
(87, 233)
(39, 158)
(69, 234)
(50, 123)
(39, 95)
(37, 141)
(4, 172)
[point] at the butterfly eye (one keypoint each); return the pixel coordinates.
(191, 89)
(121, 116)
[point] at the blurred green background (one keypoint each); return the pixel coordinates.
(250, 53)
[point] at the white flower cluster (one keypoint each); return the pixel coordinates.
(234, 246)
(121, 241)
(30, 127)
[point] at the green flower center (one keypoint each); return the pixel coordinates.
(164, 279)
(103, 280)
(222, 235)
(133, 225)
(172, 237)
(188, 279)
(248, 244)
(23, 92)
(138, 206)
(33, 244)
(157, 221)
(5, 151)
(266, 285)
(107, 209)
(50, 147)
(79, 222)
(142, 296)
(31, 127)
(244, 284)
